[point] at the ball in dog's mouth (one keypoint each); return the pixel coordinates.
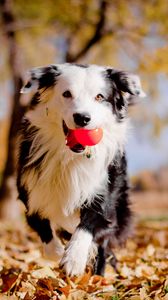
(78, 139)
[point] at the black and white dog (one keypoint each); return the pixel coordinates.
(66, 191)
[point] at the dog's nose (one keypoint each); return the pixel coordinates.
(81, 119)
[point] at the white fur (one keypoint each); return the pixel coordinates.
(77, 251)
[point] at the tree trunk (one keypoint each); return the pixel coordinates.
(8, 21)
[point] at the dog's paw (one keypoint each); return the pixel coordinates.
(73, 262)
(53, 250)
(76, 254)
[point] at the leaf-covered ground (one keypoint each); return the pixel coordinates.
(142, 268)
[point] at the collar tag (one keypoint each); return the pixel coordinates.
(88, 152)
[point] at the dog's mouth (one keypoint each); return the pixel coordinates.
(70, 141)
(78, 148)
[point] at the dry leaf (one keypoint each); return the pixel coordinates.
(126, 272)
(43, 272)
(84, 280)
(9, 278)
(143, 294)
(66, 290)
(150, 250)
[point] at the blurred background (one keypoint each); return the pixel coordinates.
(131, 35)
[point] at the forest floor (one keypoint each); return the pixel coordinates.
(142, 263)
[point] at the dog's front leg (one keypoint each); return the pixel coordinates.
(77, 251)
(82, 246)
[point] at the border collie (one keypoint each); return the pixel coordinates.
(79, 193)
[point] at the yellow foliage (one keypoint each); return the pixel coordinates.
(157, 61)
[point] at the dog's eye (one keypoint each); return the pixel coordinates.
(99, 97)
(67, 94)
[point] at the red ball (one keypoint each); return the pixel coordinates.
(85, 137)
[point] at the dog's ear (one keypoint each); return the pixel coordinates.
(39, 78)
(127, 83)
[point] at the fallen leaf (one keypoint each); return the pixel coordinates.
(43, 272)
(126, 271)
(84, 280)
(143, 294)
(9, 278)
(45, 283)
(27, 297)
(66, 290)
(150, 250)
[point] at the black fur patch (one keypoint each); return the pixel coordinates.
(28, 133)
(48, 77)
(118, 187)
(27, 136)
(38, 162)
(120, 78)
(35, 100)
(118, 104)
(23, 193)
(116, 98)
(41, 226)
(103, 254)
(100, 262)
(63, 234)
(28, 85)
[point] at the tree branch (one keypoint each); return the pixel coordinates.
(99, 33)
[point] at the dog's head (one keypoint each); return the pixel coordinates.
(83, 96)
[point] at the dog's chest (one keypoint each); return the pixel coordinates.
(63, 187)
